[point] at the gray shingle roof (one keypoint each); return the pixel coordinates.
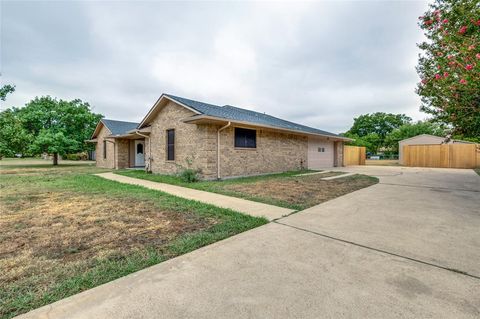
(238, 114)
(119, 127)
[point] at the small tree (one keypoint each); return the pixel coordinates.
(449, 67)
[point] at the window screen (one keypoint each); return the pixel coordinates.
(245, 138)
(170, 145)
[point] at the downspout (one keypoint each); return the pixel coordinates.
(218, 148)
(149, 168)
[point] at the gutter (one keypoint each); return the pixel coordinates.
(218, 147)
(253, 124)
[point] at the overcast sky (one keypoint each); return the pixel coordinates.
(316, 63)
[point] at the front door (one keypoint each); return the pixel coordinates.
(139, 153)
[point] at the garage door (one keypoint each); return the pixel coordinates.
(320, 153)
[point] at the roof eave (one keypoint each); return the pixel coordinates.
(147, 129)
(220, 119)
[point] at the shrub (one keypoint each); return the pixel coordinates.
(189, 175)
(77, 157)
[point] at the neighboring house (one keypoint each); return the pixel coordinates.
(425, 139)
(219, 141)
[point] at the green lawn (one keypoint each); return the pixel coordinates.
(477, 170)
(284, 189)
(63, 231)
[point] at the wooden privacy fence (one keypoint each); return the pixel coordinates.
(354, 155)
(444, 155)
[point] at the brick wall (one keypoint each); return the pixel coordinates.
(275, 152)
(107, 162)
(122, 153)
(117, 155)
(192, 143)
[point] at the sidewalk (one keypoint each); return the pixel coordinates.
(238, 204)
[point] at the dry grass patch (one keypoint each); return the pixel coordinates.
(302, 191)
(288, 189)
(55, 229)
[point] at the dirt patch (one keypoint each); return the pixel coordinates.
(48, 230)
(303, 191)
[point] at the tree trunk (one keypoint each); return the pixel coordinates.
(55, 158)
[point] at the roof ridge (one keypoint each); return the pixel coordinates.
(179, 98)
(228, 112)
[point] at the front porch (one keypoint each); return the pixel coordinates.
(130, 152)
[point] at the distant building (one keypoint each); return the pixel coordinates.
(425, 139)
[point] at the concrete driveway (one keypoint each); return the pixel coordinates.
(408, 247)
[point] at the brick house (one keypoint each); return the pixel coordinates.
(219, 141)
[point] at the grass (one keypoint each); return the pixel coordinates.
(284, 189)
(63, 231)
(34, 161)
(477, 170)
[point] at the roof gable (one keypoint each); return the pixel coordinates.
(115, 127)
(119, 127)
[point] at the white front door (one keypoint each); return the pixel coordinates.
(139, 153)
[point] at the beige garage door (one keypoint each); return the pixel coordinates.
(320, 153)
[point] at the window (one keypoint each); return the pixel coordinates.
(104, 149)
(321, 149)
(245, 138)
(170, 145)
(139, 148)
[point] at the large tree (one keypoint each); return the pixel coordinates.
(370, 130)
(58, 127)
(449, 66)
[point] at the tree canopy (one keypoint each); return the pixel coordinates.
(410, 130)
(370, 130)
(6, 89)
(449, 66)
(47, 125)
(382, 131)
(14, 139)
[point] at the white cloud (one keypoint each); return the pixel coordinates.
(319, 63)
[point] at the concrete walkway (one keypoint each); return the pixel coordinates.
(238, 204)
(338, 176)
(407, 247)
